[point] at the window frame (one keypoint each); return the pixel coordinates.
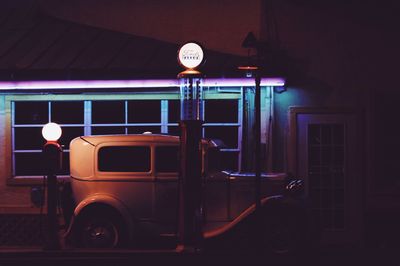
(163, 97)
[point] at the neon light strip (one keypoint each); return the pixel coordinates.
(146, 83)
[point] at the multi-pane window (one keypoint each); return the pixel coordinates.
(103, 117)
(126, 117)
(28, 120)
(222, 122)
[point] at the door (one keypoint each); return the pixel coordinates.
(329, 163)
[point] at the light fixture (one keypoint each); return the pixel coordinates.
(51, 132)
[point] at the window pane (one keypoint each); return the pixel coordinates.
(229, 160)
(167, 159)
(314, 136)
(144, 111)
(107, 130)
(221, 111)
(67, 112)
(229, 135)
(31, 113)
(124, 159)
(174, 130)
(108, 112)
(68, 134)
(141, 130)
(174, 111)
(29, 164)
(65, 164)
(28, 138)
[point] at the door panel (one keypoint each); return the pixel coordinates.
(328, 162)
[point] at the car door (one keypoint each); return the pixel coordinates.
(166, 170)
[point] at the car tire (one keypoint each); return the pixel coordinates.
(102, 229)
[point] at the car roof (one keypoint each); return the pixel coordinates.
(159, 138)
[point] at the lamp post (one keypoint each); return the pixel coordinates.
(52, 153)
(252, 70)
(190, 56)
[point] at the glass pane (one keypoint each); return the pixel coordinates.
(314, 180)
(142, 129)
(314, 156)
(326, 134)
(229, 160)
(108, 112)
(107, 130)
(327, 219)
(144, 111)
(31, 113)
(67, 112)
(28, 138)
(167, 159)
(339, 219)
(174, 111)
(221, 111)
(314, 137)
(326, 199)
(65, 164)
(29, 164)
(68, 134)
(338, 134)
(124, 159)
(326, 152)
(229, 135)
(174, 130)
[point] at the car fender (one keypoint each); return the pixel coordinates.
(245, 214)
(107, 200)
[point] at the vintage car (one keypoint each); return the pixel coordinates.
(125, 189)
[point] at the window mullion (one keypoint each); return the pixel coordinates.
(164, 116)
(87, 117)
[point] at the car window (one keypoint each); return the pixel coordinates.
(167, 159)
(124, 159)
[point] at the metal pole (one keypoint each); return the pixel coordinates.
(52, 154)
(258, 142)
(190, 185)
(190, 181)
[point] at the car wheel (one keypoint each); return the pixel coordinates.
(100, 231)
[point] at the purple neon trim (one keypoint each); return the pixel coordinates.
(146, 83)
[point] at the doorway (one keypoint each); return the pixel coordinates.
(327, 157)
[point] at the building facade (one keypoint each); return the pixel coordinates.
(333, 125)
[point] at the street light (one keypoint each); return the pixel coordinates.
(252, 70)
(52, 155)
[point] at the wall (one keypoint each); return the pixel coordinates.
(12, 198)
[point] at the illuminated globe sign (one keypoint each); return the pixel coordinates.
(190, 55)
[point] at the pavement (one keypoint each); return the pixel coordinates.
(324, 256)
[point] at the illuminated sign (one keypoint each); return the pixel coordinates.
(190, 55)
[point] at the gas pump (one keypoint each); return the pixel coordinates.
(190, 56)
